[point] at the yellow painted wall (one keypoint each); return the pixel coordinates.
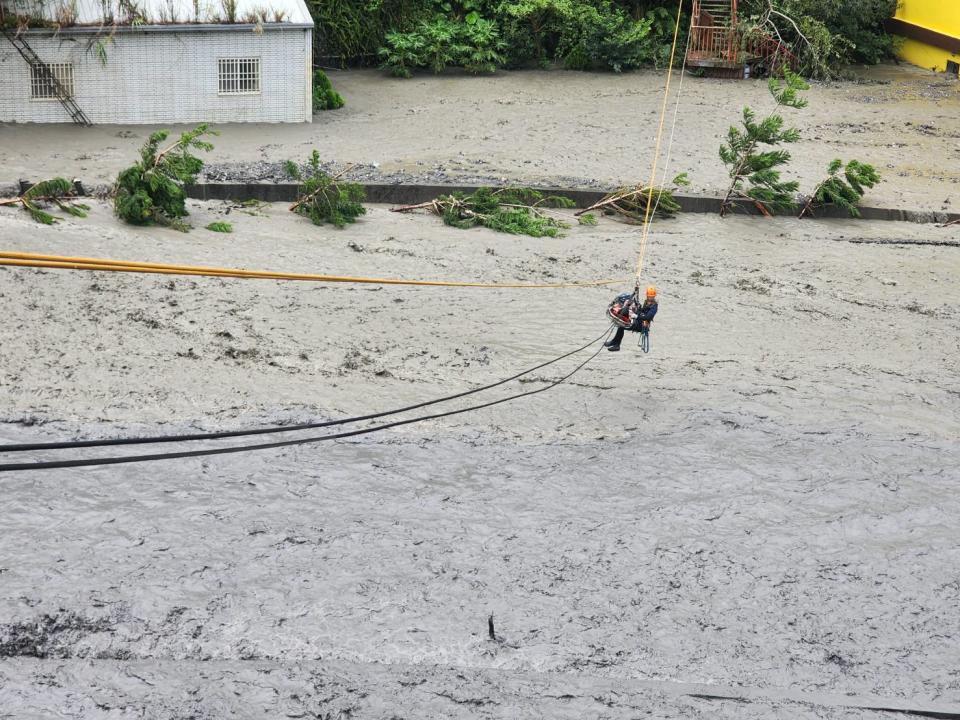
(940, 15)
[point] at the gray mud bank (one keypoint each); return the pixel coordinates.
(765, 501)
(553, 129)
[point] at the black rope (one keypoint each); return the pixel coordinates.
(55, 464)
(66, 444)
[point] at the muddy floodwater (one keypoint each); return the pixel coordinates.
(766, 504)
(566, 129)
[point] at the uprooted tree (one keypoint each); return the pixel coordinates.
(518, 211)
(152, 190)
(842, 189)
(324, 198)
(632, 203)
(55, 191)
(753, 154)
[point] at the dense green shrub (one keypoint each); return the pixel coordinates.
(473, 44)
(584, 34)
(152, 189)
(352, 31)
(608, 39)
(324, 96)
(828, 33)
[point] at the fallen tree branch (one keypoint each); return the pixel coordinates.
(519, 211)
(58, 191)
(632, 203)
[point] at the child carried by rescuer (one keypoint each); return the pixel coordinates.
(627, 307)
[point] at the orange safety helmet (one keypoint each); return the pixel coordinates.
(651, 292)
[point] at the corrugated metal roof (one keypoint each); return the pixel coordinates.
(68, 13)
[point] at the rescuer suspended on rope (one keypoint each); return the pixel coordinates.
(629, 314)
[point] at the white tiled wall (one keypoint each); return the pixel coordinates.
(164, 77)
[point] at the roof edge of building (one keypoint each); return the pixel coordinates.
(175, 27)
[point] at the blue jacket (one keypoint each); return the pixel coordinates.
(645, 314)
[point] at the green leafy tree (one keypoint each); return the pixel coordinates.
(753, 156)
(842, 189)
(324, 96)
(151, 191)
(322, 198)
(518, 211)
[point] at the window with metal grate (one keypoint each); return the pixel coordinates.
(238, 76)
(41, 87)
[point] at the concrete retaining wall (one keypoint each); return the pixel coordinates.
(411, 194)
(383, 194)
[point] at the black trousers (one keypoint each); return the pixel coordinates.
(618, 336)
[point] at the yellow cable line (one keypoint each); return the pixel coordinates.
(38, 260)
(656, 154)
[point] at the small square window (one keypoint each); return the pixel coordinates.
(238, 76)
(41, 85)
(953, 68)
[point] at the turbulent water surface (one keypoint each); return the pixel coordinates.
(765, 504)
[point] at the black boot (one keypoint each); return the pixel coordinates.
(614, 344)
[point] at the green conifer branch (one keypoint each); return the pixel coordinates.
(754, 175)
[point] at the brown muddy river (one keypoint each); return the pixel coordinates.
(765, 504)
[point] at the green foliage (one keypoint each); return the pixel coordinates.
(322, 198)
(220, 227)
(632, 202)
(828, 34)
(587, 34)
(843, 190)
(609, 38)
(482, 35)
(353, 30)
(753, 156)
(324, 96)
(582, 34)
(152, 189)
(518, 211)
(57, 191)
(473, 44)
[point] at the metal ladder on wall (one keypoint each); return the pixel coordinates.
(26, 52)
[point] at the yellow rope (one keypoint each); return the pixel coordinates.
(656, 155)
(37, 260)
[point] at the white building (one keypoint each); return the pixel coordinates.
(159, 61)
